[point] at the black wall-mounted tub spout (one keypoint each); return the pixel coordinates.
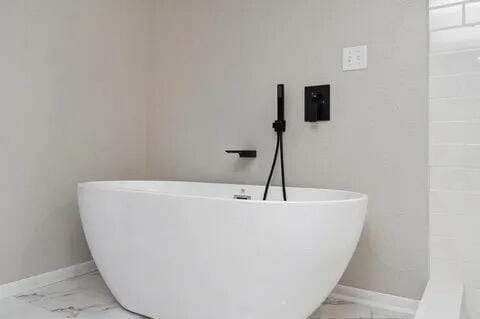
(243, 153)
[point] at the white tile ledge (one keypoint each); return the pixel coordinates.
(17, 287)
(376, 299)
(442, 299)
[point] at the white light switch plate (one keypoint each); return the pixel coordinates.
(355, 58)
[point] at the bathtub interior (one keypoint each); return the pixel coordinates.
(227, 191)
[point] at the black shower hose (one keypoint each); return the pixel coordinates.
(279, 146)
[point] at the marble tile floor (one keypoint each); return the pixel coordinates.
(87, 297)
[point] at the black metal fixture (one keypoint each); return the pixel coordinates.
(279, 126)
(243, 153)
(317, 103)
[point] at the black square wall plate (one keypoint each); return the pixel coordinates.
(317, 103)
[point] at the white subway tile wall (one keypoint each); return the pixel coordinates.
(461, 38)
(455, 145)
(472, 12)
(455, 63)
(455, 109)
(445, 17)
(438, 3)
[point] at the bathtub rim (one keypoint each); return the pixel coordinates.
(107, 185)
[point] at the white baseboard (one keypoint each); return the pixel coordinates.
(17, 287)
(376, 299)
(360, 296)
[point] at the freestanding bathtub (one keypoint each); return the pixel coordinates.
(181, 250)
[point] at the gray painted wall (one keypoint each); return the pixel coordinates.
(216, 66)
(73, 96)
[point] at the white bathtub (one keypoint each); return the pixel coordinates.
(178, 250)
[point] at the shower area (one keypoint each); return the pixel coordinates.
(454, 120)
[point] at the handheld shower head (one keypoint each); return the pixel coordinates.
(280, 125)
(280, 102)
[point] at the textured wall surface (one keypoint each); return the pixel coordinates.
(73, 81)
(217, 64)
(455, 144)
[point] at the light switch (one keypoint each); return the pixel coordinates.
(355, 58)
